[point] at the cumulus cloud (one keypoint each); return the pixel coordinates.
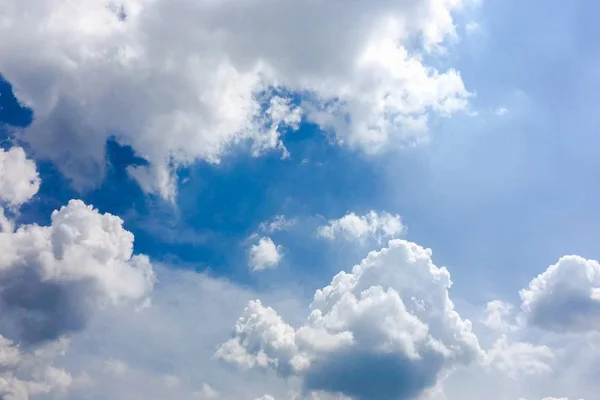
(354, 227)
(264, 255)
(565, 298)
(386, 330)
(19, 179)
(52, 278)
(183, 92)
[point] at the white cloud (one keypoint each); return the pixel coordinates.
(497, 313)
(354, 227)
(265, 255)
(387, 329)
(277, 223)
(159, 179)
(519, 359)
(52, 278)
(19, 180)
(189, 91)
(566, 297)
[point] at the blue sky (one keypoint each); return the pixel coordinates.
(503, 187)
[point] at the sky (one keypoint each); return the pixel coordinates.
(299, 200)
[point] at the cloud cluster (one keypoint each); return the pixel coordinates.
(387, 330)
(54, 278)
(227, 72)
(352, 227)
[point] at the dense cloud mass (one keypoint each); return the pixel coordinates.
(183, 80)
(566, 297)
(386, 330)
(52, 278)
(185, 83)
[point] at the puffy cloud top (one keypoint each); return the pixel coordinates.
(566, 297)
(385, 330)
(53, 277)
(180, 92)
(19, 180)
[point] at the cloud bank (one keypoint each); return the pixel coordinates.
(225, 73)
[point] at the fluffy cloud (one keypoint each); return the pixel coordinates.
(264, 255)
(52, 278)
(354, 227)
(386, 330)
(566, 297)
(19, 180)
(183, 92)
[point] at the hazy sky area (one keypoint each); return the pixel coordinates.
(299, 200)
